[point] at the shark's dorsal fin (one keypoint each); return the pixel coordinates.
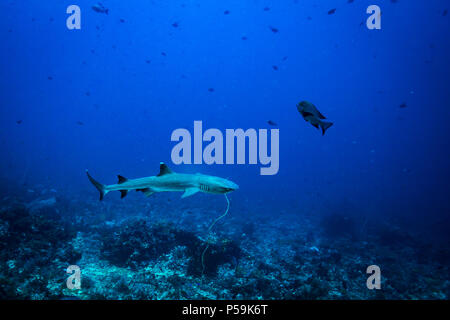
(122, 179)
(164, 169)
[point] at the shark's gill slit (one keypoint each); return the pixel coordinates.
(209, 232)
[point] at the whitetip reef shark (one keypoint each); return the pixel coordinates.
(167, 180)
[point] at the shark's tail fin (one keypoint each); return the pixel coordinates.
(325, 125)
(100, 187)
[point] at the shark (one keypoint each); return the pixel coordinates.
(167, 180)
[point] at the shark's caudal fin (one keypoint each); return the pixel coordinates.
(325, 125)
(100, 187)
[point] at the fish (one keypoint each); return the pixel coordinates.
(274, 30)
(310, 113)
(272, 123)
(100, 8)
(332, 11)
(168, 181)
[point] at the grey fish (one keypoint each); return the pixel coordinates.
(310, 113)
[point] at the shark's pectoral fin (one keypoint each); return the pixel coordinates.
(189, 192)
(147, 191)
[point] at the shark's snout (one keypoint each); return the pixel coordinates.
(231, 187)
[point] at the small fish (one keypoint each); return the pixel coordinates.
(266, 9)
(164, 54)
(244, 38)
(349, 1)
(211, 89)
(226, 12)
(444, 13)
(100, 8)
(310, 113)
(274, 30)
(19, 121)
(50, 78)
(80, 123)
(272, 123)
(122, 20)
(332, 11)
(403, 105)
(275, 68)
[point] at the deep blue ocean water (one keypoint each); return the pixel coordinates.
(107, 98)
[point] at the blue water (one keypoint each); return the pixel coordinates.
(107, 98)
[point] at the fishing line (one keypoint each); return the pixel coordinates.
(209, 231)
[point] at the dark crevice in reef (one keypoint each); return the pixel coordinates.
(135, 244)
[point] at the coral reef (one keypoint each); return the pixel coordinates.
(131, 250)
(34, 252)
